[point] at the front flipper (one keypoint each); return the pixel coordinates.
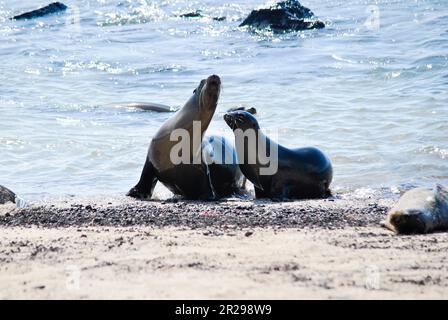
(145, 187)
(260, 194)
(250, 172)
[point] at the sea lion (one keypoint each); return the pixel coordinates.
(199, 14)
(52, 8)
(284, 16)
(146, 106)
(301, 173)
(191, 179)
(419, 210)
(6, 195)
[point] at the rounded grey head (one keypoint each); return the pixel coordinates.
(410, 221)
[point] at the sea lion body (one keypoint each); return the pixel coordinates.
(6, 195)
(146, 106)
(195, 179)
(302, 173)
(52, 8)
(420, 210)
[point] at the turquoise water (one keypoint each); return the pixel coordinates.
(370, 89)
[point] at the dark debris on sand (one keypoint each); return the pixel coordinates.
(329, 214)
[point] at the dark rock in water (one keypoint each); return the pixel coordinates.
(54, 7)
(287, 15)
(6, 195)
(198, 14)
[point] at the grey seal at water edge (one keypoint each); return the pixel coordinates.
(302, 173)
(190, 180)
(419, 210)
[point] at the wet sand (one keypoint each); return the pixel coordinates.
(120, 248)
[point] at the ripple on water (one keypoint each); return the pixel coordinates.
(140, 15)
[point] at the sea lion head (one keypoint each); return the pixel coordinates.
(241, 120)
(207, 95)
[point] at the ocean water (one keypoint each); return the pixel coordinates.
(370, 89)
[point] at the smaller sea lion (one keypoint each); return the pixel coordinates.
(419, 210)
(302, 173)
(54, 7)
(6, 195)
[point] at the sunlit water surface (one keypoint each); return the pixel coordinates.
(370, 89)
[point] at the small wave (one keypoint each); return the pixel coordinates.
(69, 122)
(440, 152)
(73, 67)
(157, 69)
(116, 69)
(140, 15)
(12, 142)
(338, 58)
(431, 62)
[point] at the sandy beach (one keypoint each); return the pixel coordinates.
(119, 248)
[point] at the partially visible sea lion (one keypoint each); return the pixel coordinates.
(191, 180)
(147, 106)
(287, 15)
(419, 210)
(199, 14)
(52, 8)
(302, 173)
(6, 195)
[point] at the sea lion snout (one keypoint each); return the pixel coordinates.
(210, 92)
(214, 80)
(229, 120)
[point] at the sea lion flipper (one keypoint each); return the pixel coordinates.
(252, 175)
(145, 187)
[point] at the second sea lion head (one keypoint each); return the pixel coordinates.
(241, 120)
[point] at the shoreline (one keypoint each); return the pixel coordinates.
(122, 212)
(233, 249)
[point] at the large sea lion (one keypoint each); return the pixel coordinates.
(6, 195)
(301, 173)
(419, 210)
(191, 179)
(284, 16)
(52, 8)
